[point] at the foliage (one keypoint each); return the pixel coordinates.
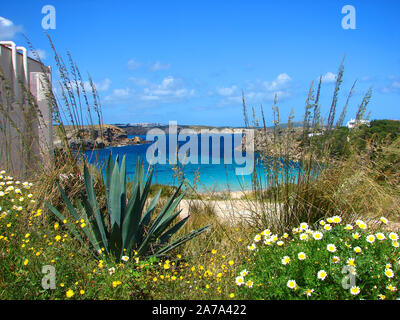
(314, 261)
(129, 226)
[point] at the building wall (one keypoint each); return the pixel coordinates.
(25, 116)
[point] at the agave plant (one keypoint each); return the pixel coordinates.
(127, 225)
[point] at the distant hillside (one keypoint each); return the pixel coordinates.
(142, 129)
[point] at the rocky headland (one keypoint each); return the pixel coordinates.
(95, 137)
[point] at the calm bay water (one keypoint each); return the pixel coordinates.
(217, 177)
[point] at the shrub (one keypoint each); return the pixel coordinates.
(331, 260)
(125, 226)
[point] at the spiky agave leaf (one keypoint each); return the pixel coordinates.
(129, 227)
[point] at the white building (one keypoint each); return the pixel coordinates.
(25, 113)
(353, 123)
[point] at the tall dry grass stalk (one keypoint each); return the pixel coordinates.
(298, 179)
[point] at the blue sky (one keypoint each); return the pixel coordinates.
(155, 61)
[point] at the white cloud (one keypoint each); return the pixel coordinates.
(122, 92)
(227, 91)
(139, 81)
(170, 89)
(365, 79)
(281, 82)
(119, 96)
(392, 87)
(396, 84)
(329, 77)
(159, 66)
(259, 91)
(8, 29)
(101, 86)
(133, 64)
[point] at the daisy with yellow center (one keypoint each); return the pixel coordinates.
(249, 284)
(303, 236)
(380, 236)
(335, 259)
(244, 273)
(252, 247)
(395, 244)
(285, 260)
(303, 226)
(322, 274)
(336, 219)
(393, 236)
(291, 284)
(301, 256)
(125, 258)
(266, 232)
(355, 290)
(357, 249)
(384, 220)
(362, 226)
(327, 227)
(257, 238)
(317, 235)
(280, 243)
(348, 227)
(391, 288)
(356, 236)
(371, 238)
(331, 247)
(239, 280)
(351, 262)
(389, 273)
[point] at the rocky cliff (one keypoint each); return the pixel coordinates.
(95, 137)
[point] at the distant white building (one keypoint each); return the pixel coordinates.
(353, 123)
(314, 134)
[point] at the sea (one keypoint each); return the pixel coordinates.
(214, 175)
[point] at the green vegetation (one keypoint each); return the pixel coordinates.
(330, 260)
(129, 229)
(104, 243)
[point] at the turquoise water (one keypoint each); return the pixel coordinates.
(217, 177)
